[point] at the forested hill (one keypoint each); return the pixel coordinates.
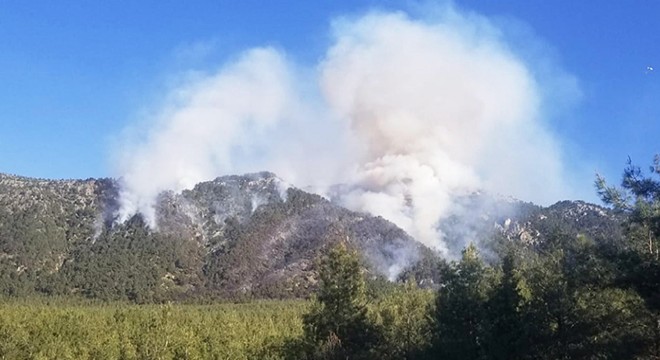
(233, 237)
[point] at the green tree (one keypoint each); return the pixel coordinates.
(505, 318)
(551, 321)
(337, 326)
(639, 198)
(404, 321)
(575, 311)
(461, 308)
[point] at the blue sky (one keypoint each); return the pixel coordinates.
(73, 75)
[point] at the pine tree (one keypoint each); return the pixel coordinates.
(461, 308)
(505, 318)
(639, 198)
(338, 327)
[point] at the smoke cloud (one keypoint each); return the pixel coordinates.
(211, 124)
(403, 113)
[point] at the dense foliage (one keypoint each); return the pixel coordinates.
(338, 326)
(79, 332)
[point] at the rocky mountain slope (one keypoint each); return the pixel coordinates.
(479, 217)
(233, 237)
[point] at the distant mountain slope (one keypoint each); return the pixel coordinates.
(42, 220)
(233, 237)
(479, 217)
(263, 238)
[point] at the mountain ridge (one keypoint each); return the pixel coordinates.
(234, 236)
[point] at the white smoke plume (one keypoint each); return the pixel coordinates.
(212, 124)
(405, 113)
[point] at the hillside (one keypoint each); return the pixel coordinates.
(233, 237)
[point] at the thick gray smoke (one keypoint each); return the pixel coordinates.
(405, 113)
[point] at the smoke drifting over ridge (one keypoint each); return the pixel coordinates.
(404, 113)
